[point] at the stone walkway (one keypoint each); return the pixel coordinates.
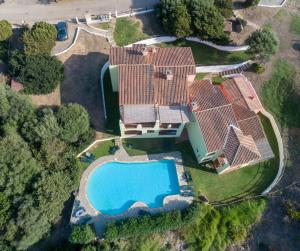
(170, 202)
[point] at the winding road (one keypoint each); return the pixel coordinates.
(16, 11)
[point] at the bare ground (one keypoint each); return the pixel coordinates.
(83, 63)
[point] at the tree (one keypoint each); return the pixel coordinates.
(208, 23)
(182, 21)
(5, 30)
(40, 39)
(73, 120)
(82, 234)
(263, 43)
(225, 7)
(4, 209)
(40, 74)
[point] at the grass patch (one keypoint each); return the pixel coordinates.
(218, 80)
(128, 31)
(279, 94)
(206, 55)
(112, 106)
(100, 150)
(200, 76)
(246, 181)
(295, 24)
(102, 26)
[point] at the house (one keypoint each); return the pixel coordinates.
(225, 128)
(153, 89)
(159, 97)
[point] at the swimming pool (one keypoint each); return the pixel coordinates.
(114, 187)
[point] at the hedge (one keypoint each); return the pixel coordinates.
(151, 223)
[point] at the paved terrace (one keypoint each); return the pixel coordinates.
(98, 219)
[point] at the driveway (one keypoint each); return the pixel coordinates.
(83, 63)
(16, 11)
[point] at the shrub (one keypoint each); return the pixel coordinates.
(82, 234)
(251, 3)
(148, 224)
(5, 30)
(40, 39)
(263, 43)
(89, 248)
(73, 120)
(225, 7)
(293, 213)
(257, 68)
(40, 74)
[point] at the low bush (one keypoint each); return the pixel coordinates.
(293, 213)
(257, 68)
(5, 30)
(149, 224)
(251, 3)
(82, 234)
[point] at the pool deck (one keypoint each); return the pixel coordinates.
(98, 219)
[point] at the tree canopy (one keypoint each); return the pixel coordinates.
(40, 39)
(38, 168)
(198, 17)
(82, 234)
(263, 43)
(40, 74)
(5, 30)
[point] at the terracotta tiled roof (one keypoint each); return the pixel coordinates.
(214, 124)
(252, 126)
(205, 95)
(136, 84)
(240, 149)
(175, 91)
(174, 56)
(242, 95)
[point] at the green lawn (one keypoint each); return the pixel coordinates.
(206, 55)
(295, 24)
(246, 181)
(100, 150)
(127, 32)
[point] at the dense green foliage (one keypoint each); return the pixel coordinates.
(257, 68)
(5, 30)
(216, 229)
(279, 94)
(263, 43)
(40, 39)
(82, 234)
(225, 7)
(40, 74)
(128, 31)
(206, 20)
(38, 169)
(147, 224)
(3, 51)
(293, 213)
(182, 24)
(250, 3)
(295, 24)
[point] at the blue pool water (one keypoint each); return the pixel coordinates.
(115, 186)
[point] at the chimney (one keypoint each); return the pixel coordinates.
(194, 105)
(145, 51)
(169, 75)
